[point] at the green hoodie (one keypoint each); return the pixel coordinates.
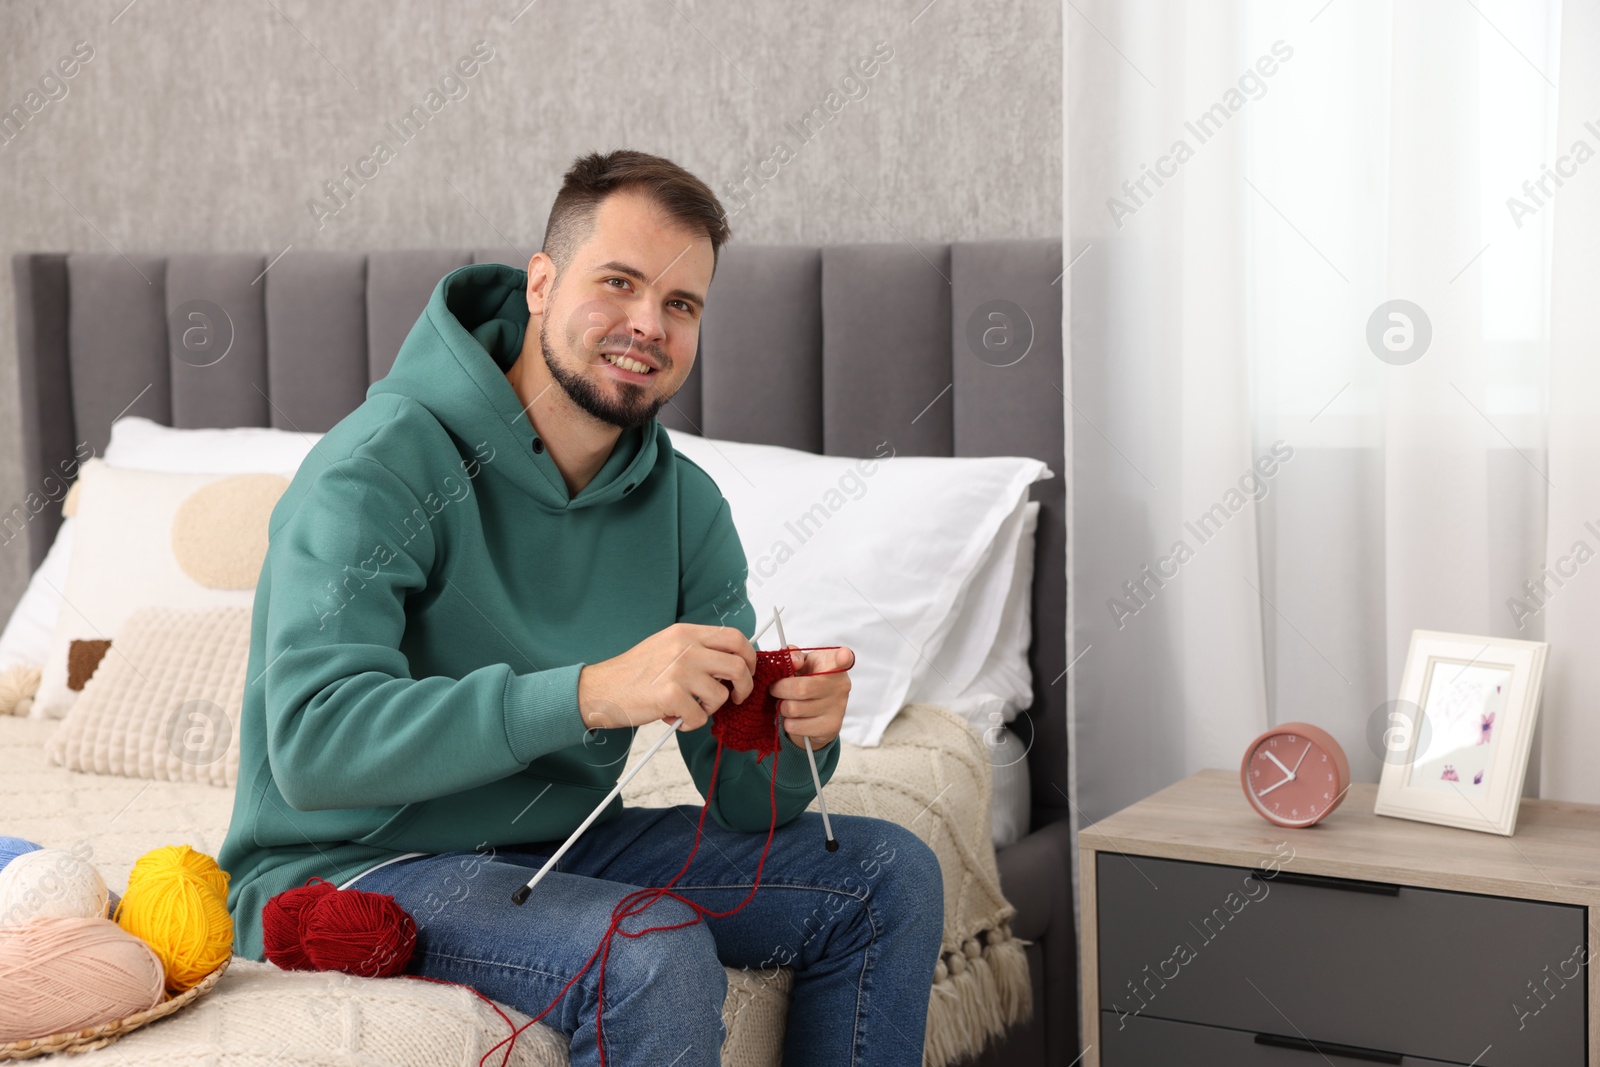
(429, 595)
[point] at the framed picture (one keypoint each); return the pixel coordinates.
(1458, 738)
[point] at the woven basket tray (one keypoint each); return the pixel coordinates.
(93, 1037)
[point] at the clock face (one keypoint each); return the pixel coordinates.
(1295, 775)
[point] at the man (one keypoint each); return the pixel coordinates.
(477, 585)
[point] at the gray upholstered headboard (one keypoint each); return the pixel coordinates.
(830, 349)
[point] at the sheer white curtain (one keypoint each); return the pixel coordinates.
(1268, 499)
(1572, 611)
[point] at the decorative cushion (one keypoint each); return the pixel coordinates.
(146, 538)
(166, 704)
(137, 442)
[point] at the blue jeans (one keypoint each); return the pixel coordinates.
(860, 926)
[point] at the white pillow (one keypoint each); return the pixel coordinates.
(1002, 689)
(872, 553)
(1006, 672)
(26, 638)
(1003, 686)
(138, 442)
(991, 623)
(1011, 802)
(151, 538)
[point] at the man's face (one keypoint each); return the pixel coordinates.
(633, 293)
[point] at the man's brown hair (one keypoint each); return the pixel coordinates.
(684, 198)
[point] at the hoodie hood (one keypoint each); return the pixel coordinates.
(454, 363)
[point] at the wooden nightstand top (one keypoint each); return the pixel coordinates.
(1554, 855)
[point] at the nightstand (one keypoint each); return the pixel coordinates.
(1212, 937)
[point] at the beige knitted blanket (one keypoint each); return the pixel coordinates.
(930, 774)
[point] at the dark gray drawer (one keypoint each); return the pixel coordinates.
(1416, 971)
(1147, 1042)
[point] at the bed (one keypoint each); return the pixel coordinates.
(828, 350)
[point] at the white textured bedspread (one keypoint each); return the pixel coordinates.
(931, 774)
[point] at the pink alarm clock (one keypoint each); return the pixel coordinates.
(1294, 774)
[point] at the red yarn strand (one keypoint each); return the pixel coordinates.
(635, 903)
(319, 927)
(753, 725)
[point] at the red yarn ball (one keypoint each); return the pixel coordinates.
(359, 933)
(283, 923)
(316, 927)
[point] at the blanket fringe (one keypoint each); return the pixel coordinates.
(979, 991)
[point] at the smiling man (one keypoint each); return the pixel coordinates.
(477, 586)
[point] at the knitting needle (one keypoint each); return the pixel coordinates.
(522, 892)
(827, 827)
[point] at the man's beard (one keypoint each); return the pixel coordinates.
(632, 409)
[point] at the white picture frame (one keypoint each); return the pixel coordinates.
(1461, 731)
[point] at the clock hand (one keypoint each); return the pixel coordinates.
(1302, 759)
(1270, 788)
(1281, 767)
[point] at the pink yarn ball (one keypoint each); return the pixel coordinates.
(60, 973)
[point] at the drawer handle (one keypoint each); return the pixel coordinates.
(1323, 881)
(1354, 1052)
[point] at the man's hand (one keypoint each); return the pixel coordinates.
(812, 704)
(671, 675)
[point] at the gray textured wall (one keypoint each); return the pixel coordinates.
(205, 126)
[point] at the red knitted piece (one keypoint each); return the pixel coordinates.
(753, 725)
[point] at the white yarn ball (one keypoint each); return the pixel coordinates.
(51, 883)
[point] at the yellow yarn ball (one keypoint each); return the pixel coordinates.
(177, 904)
(198, 863)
